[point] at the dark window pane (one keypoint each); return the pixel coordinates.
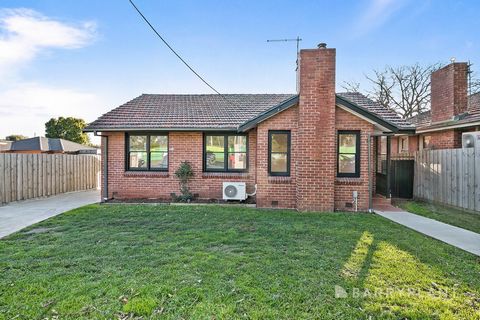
(278, 162)
(159, 160)
(159, 143)
(347, 143)
(237, 144)
(237, 161)
(382, 164)
(279, 142)
(215, 160)
(215, 143)
(138, 160)
(346, 163)
(138, 143)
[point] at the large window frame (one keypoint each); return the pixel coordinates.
(225, 151)
(148, 135)
(288, 153)
(355, 174)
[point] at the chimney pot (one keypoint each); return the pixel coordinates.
(322, 45)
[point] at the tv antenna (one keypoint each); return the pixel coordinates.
(297, 39)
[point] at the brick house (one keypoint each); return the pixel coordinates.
(452, 112)
(309, 151)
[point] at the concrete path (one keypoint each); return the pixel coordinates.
(18, 215)
(458, 237)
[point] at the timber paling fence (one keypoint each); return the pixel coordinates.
(26, 176)
(450, 176)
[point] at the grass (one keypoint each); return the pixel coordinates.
(455, 217)
(214, 262)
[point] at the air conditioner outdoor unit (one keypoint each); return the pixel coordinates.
(234, 191)
(471, 139)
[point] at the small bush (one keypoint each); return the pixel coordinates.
(184, 173)
(140, 306)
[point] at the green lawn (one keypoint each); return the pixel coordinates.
(455, 217)
(214, 262)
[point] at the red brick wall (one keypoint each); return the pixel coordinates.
(344, 187)
(279, 190)
(316, 131)
(412, 144)
(184, 146)
(440, 139)
(449, 91)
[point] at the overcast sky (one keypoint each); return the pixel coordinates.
(83, 58)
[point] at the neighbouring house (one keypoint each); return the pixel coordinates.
(46, 145)
(452, 112)
(5, 145)
(309, 151)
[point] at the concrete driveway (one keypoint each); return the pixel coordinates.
(18, 215)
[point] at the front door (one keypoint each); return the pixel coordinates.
(382, 167)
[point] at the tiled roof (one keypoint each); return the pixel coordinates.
(192, 111)
(209, 111)
(375, 108)
(423, 121)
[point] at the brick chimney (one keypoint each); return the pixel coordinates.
(316, 130)
(449, 91)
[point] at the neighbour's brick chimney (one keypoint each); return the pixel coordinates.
(449, 91)
(316, 130)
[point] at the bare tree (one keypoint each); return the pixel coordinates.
(473, 80)
(351, 86)
(403, 89)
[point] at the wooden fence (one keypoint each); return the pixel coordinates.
(449, 176)
(25, 176)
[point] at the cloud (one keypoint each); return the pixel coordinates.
(26, 104)
(377, 13)
(29, 105)
(25, 33)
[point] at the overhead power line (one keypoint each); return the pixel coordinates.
(175, 53)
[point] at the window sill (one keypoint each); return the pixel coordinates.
(150, 174)
(279, 179)
(220, 175)
(348, 181)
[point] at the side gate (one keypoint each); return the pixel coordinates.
(401, 178)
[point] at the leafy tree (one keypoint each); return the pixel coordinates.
(67, 128)
(15, 137)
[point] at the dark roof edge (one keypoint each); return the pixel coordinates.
(370, 115)
(157, 129)
(290, 102)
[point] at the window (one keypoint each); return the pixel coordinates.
(426, 142)
(403, 144)
(348, 151)
(225, 152)
(147, 152)
(279, 153)
(382, 155)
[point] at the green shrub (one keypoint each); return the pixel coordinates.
(184, 173)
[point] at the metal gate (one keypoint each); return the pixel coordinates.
(401, 178)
